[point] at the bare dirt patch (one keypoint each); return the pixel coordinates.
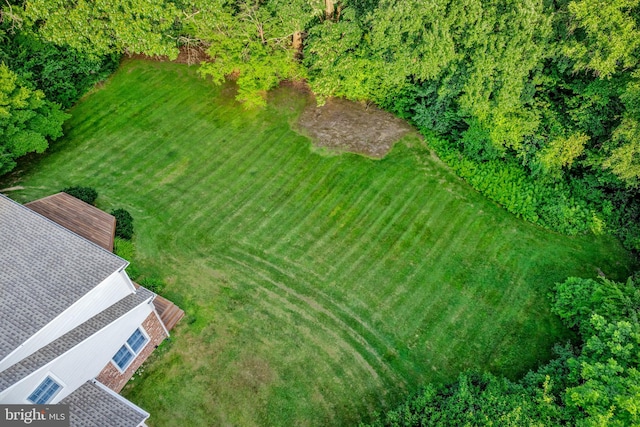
(346, 126)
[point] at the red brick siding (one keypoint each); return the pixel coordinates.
(112, 377)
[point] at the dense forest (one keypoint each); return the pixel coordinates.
(536, 103)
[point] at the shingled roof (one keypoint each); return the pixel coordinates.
(93, 405)
(66, 342)
(44, 269)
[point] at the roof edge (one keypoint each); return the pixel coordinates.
(146, 299)
(125, 263)
(121, 399)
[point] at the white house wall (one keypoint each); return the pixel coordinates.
(84, 361)
(111, 290)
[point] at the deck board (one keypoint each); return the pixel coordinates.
(80, 217)
(169, 313)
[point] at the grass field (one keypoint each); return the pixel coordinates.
(318, 289)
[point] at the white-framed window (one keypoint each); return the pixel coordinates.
(125, 355)
(45, 391)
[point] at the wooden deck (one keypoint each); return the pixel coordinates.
(80, 217)
(169, 313)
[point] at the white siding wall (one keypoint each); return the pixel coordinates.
(82, 363)
(111, 290)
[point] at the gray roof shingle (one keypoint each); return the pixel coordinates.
(66, 342)
(44, 269)
(92, 406)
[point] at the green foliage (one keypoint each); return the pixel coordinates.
(251, 41)
(459, 54)
(603, 387)
(561, 152)
(86, 194)
(64, 74)
(596, 385)
(103, 27)
(508, 184)
(27, 120)
(124, 223)
(337, 63)
(607, 36)
(607, 377)
(127, 250)
(154, 284)
(624, 160)
(474, 399)
(576, 301)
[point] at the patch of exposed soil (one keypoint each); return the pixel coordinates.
(341, 125)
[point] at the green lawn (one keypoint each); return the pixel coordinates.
(318, 289)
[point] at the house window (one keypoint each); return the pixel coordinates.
(130, 349)
(45, 392)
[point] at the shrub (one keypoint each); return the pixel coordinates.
(153, 284)
(86, 194)
(124, 223)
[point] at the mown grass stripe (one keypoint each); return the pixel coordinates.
(419, 291)
(364, 352)
(301, 284)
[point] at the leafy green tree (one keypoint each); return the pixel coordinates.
(607, 37)
(562, 152)
(295, 17)
(337, 59)
(606, 376)
(576, 300)
(27, 120)
(466, 63)
(472, 400)
(101, 27)
(64, 74)
(256, 42)
(603, 380)
(624, 159)
(10, 16)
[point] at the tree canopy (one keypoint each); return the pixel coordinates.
(101, 27)
(27, 120)
(250, 40)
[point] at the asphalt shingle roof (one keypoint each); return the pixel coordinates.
(66, 342)
(92, 406)
(44, 269)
